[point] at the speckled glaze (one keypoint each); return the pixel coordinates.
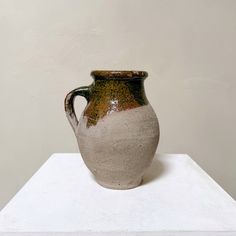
(118, 132)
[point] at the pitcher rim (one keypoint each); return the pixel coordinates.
(118, 74)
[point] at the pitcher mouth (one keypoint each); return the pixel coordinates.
(118, 74)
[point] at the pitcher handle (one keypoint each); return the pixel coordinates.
(69, 104)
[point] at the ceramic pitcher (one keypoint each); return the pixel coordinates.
(118, 131)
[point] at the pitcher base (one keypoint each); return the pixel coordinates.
(118, 186)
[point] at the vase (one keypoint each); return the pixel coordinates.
(118, 131)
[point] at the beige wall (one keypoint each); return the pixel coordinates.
(49, 47)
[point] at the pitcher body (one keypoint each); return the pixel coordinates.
(118, 132)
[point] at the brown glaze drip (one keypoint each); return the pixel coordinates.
(111, 96)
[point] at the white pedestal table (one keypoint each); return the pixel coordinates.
(176, 198)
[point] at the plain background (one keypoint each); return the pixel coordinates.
(49, 47)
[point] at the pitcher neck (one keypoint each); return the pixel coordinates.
(126, 90)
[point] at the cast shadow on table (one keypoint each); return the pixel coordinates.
(155, 171)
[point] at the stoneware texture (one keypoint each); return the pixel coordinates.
(118, 132)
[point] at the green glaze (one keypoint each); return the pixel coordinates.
(114, 92)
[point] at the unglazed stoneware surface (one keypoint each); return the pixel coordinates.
(118, 132)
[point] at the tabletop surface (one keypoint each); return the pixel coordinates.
(176, 195)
